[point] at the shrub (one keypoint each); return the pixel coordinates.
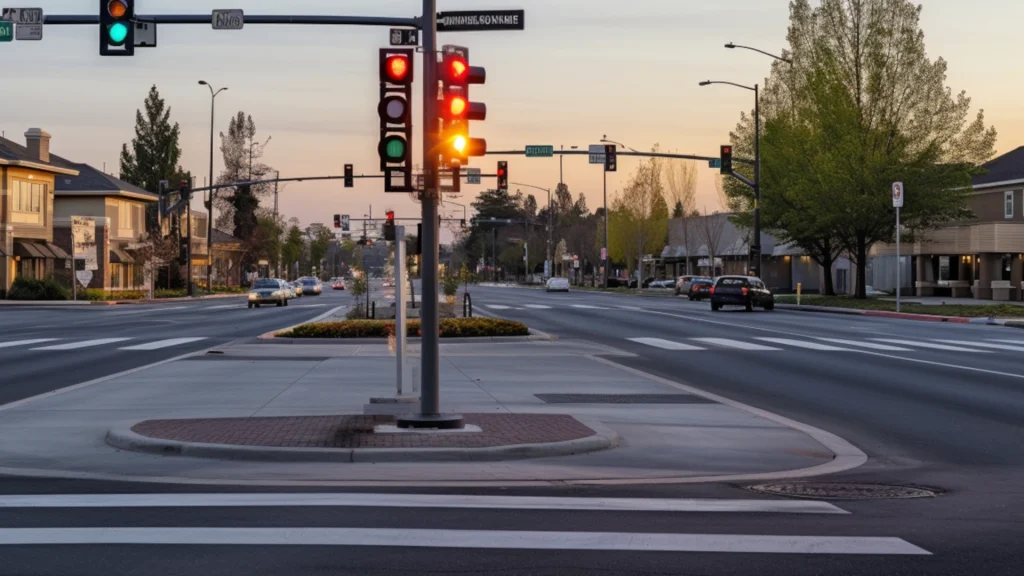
(450, 284)
(170, 293)
(450, 328)
(29, 289)
(100, 295)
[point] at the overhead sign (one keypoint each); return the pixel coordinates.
(480, 20)
(596, 153)
(472, 175)
(83, 241)
(539, 151)
(22, 15)
(228, 19)
(897, 194)
(29, 32)
(715, 163)
(405, 37)
(6, 31)
(145, 34)
(345, 221)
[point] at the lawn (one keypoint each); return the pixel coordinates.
(960, 310)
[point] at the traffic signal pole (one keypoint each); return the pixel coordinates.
(755, 247)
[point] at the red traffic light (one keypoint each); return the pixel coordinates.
(456, 68)
(457, 106)
(396, 68)
(390, 214)
(501, 171)
(726, 149)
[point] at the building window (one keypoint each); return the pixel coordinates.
(28, 196)
(1008, 204)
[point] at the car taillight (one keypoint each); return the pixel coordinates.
(693, 288)
(744, 290)
(711, 290)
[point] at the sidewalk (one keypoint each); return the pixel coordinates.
(666, 432)
(4, 302)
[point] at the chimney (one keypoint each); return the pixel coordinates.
(38, 144)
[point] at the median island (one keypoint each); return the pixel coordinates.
(450, 328)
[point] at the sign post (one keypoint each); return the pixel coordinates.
(897, 203)
(400, 290)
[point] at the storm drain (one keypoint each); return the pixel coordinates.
(843, 491)
(622, 399)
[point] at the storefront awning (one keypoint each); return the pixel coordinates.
(58, 252)
(30, 250)
(118, 256)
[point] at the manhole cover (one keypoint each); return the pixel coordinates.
(842, 491)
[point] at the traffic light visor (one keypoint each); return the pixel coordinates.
(117, 8)
(397, 68)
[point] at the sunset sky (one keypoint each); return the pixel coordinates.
(581, 69)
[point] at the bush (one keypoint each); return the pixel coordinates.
(170, 293)
(100, 295)
(450, 284)
(450, 328)
(28, 289)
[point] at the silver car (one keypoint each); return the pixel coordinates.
(268, 291)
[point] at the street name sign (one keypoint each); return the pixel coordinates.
(29, 32)
(23, 15)
(228, 19)
(405, 37)
(539, 151)
(6, 31)
(472, 175)
(897, 194)
(715, 163)
(480, 20)
(596, 153)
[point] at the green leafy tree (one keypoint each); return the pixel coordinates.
(292, 249)
(639, 216)
(320, 237)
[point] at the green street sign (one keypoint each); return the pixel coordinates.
(540, 151)
(6, 31)
(715, 163)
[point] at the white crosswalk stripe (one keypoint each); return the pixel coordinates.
(931, 345)
(805, 344)
(1021, 342)
(664, 344)
(163, 343)
(83, 344)
(25, 342)
(738, 344)
(987, 345)
(869, 345)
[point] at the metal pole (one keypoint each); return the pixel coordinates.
(277, 267)
(188, 249)
(607, 255)
(550, 264)
(400, 306)
(899, 262)
(756, 245)
(494, 254)
(74, 264)
(209, 207)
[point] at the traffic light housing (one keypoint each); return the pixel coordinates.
(610, 160)
(183, 250)
(389, 226)
(349, 177)
(502, 175)
(185, 190)
(726, 156)
(337, 220)
(117, 27)
(457, 110)
(395, 111)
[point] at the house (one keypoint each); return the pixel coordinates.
(27, 175)
(982, 258)
(227, 259)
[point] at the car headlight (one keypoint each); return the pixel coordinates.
(253, 296)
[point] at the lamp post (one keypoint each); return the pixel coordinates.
(212, 194)
(551, 270)
(560, 156)
(604, 174)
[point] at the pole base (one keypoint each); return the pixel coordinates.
(438, 421)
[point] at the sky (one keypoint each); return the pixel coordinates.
(582, 69)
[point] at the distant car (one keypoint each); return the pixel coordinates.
(557, 285)
(287, 286)
(311, 286)
(683, 283)
(338, 284)
(297, 286)
(662, 284)
(746, 291)
(700, 288)
(388, 283)
(268, 291)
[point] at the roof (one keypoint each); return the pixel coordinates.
(733, 241)
(1005, 169)
(15, 154)
(221, 237)
(92, 181)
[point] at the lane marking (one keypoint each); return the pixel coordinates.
(497, 307)
(986, 345)
(488, 539)
(311, 499)
(162, 343)
(83, 344)
(223, 306)
(931, 345)
(664, 344)
(25, 342)
(588, 307)
(738, 344)
(1007, 341)
(804, 344)
(870, 345)
(538, 307)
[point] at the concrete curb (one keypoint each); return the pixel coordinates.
(124, 438)
(894, 315)
(48, 303)
(270, 335)
(535, 336)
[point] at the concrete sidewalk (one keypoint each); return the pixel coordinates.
(667, 432)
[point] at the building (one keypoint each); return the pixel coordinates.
(982, 258)
(227, 259)
(27, 175)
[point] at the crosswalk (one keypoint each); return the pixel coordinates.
(776, 344)
(119, 343)
(679, 527)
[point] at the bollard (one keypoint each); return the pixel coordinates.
(799, 286)
(467, 305)
(373, 309)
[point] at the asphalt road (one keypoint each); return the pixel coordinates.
(932, 405)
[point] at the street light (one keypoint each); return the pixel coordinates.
(212, 193)
(730, 45)
(560, 156)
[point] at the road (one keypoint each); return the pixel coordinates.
(933, 405)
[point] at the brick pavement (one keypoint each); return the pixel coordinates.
(356, 431)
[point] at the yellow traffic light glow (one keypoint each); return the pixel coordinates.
(117, 8)
(459, 143)
(457, 106)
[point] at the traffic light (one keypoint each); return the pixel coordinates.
(185, 190)
(117, 29)
(726, 154)
(349, 178)
(395, 111)
(456, 108)
(389, 226)
(183, 250)
(609, 158)
(337, 220)
(502, 175)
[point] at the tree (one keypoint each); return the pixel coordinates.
(320, 237)
(690, 226)
(681, 185)
(711, 226)
(154, 153)
(293, 247)
(242, 153)
(639, 218)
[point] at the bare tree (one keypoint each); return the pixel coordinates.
(711, 233)
(692, 233)
(640, 216)
(681, 184)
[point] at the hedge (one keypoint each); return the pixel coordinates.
(28, 289)
(450, 328)
(98, 295)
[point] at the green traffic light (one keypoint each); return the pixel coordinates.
(395, 149)
(117, 32)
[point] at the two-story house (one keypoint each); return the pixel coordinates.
(27, 176)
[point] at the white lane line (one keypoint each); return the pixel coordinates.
(932, 345)
(223, 306)
(83, 344)
(738, 344)
(588, 307)
(804, 344)
(310, 499)
(538, 307)
(497, 307)
(664, 344)
(25, 342)
(162, 344)
(311, 306)
(1007, 341)
(986, 345)
(633, 308)
(869, 345)
(486, 539)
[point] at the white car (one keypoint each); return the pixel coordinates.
(557, 285)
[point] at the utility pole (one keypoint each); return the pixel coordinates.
(607, 256)
(277, 267)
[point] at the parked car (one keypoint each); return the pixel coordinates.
(746, 291)
(700, 288)
(338, 284)
(388, 283)
(669, 284)
(268, 291)
(620, 283)
(557, 285)
(311, 286)
(683, 283)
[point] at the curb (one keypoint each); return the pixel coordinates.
(534, 336)
(887, 314)
(270, 335)
(48, 303)
(124, 438)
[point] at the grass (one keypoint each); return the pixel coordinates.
(959, 310)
